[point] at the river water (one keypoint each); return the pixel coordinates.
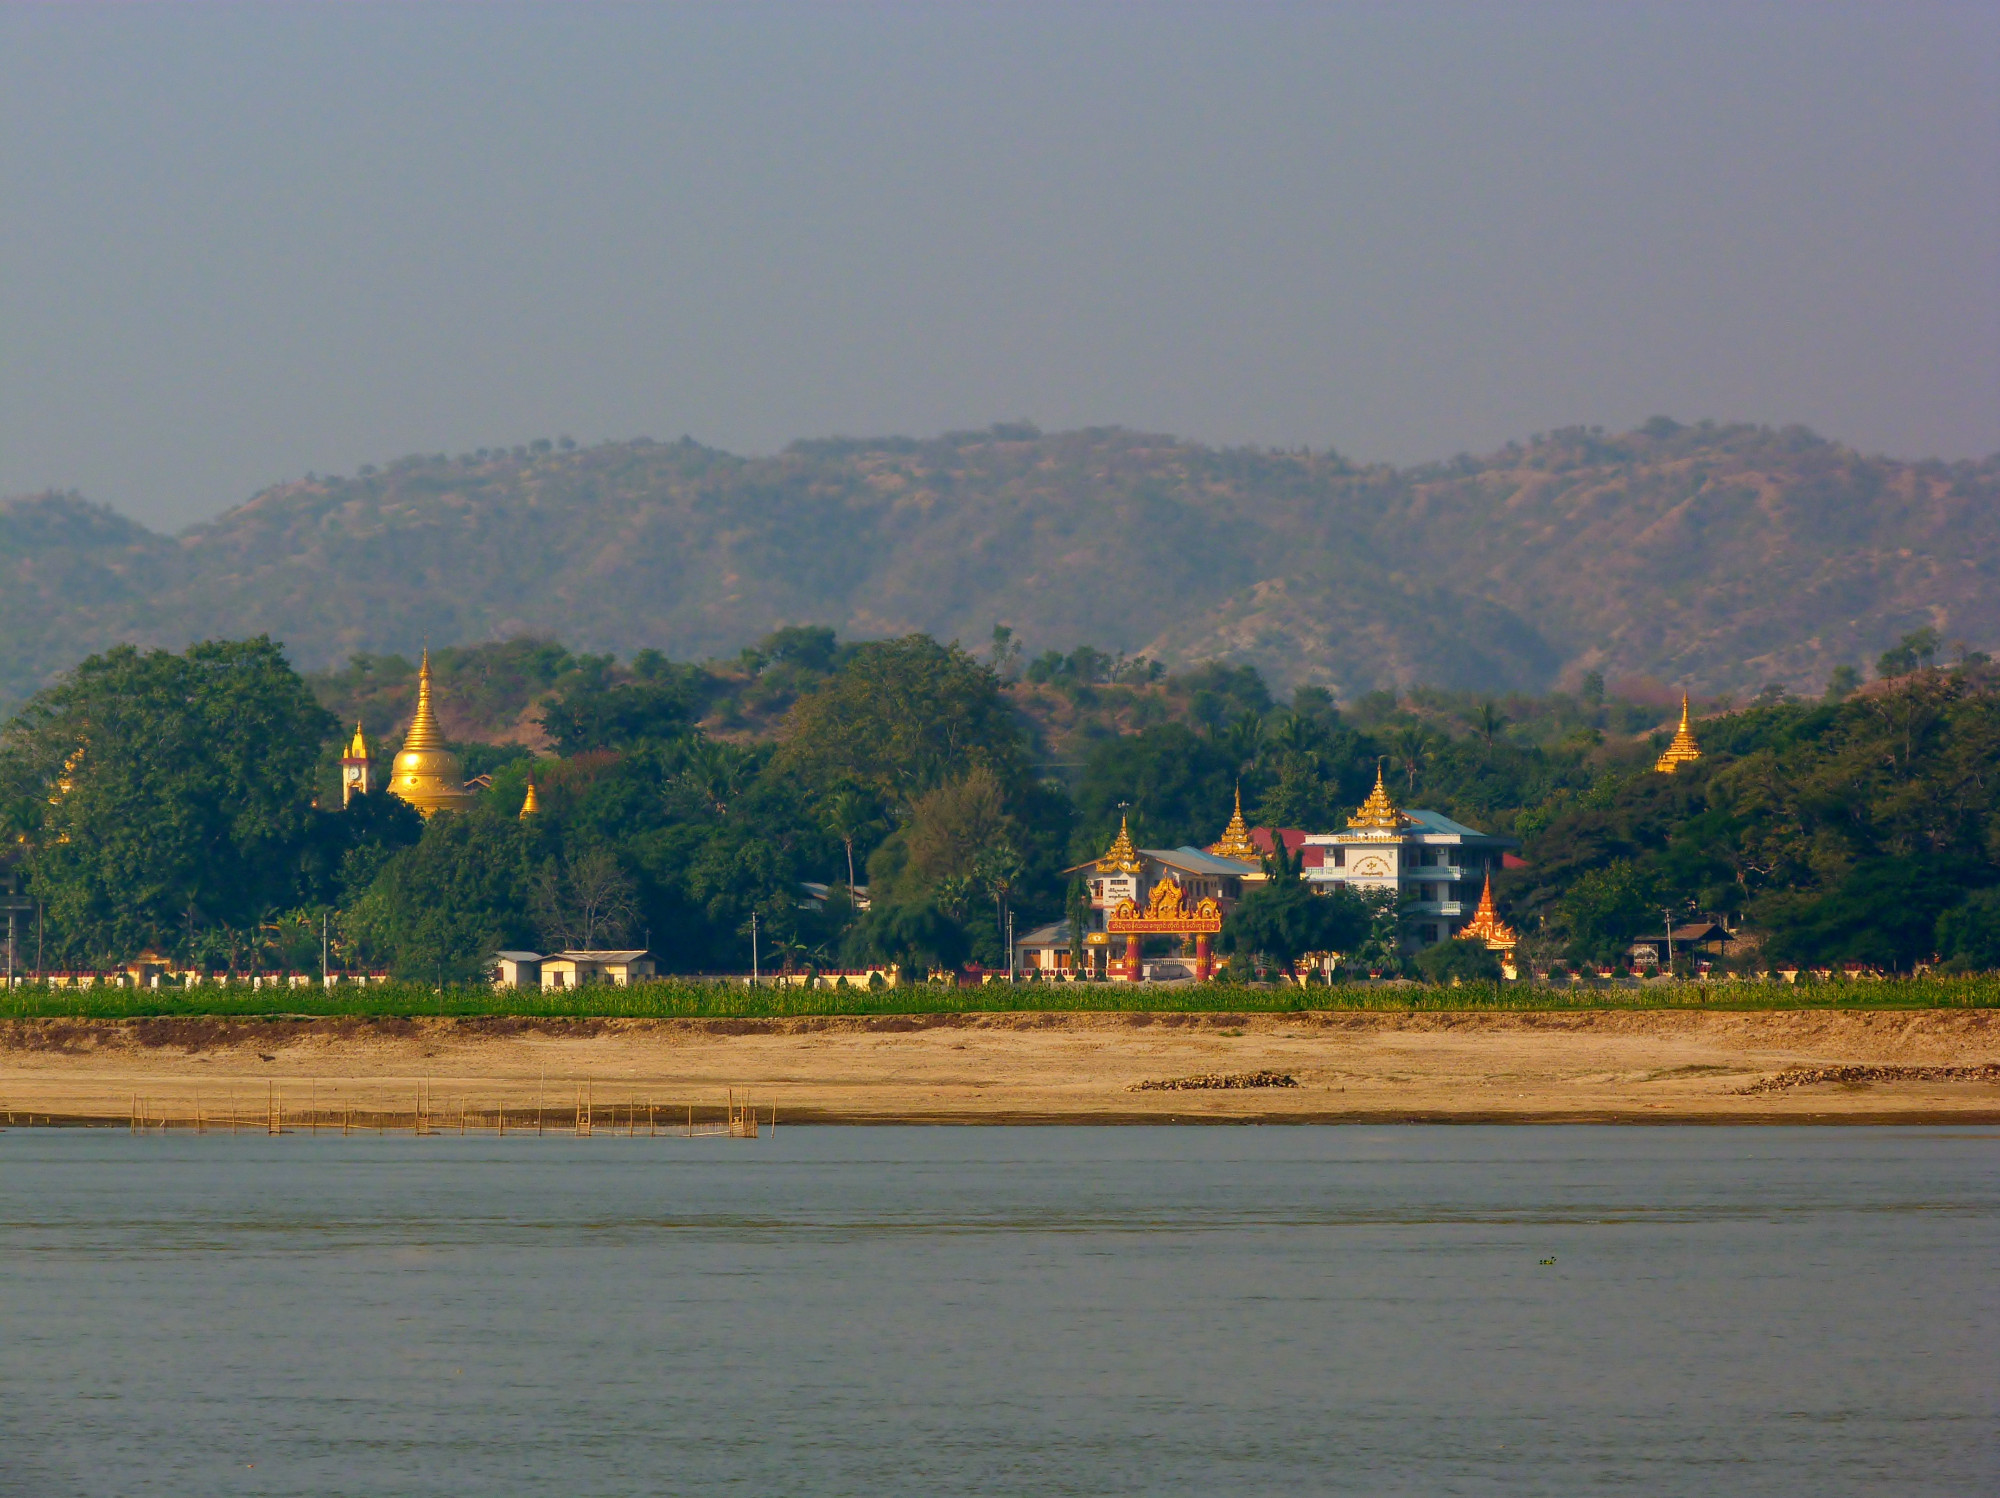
(1040, 1311)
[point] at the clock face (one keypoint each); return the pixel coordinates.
(1372, 868)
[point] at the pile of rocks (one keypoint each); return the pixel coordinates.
(1808, 1076)
(1215, 1080)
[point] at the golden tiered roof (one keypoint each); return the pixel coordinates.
(1235, 841)
(1378, 813)
(357, 747)
(1486, 924)
(1683, 750)
(1121, 857)
(426, 774)
(530, 804)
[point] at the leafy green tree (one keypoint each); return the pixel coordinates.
(1605, 909)
(444, 906)
(174, 791)
(915, 937)
(1180, 785)
(903, 716)
(1968, 934)
(1284, 917)
(1917, 649)
(618, 717)
(1459, 961)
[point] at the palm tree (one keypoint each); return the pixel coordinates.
(1413, 746)
(1242, 738)
(847, 815)
(1490, 723)
(1000, 869)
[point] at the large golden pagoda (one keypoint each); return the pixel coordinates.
(1378, 813)
(1235, 841)
(1683, 750)
(531, 803)
(1121, 857)
(426, 774)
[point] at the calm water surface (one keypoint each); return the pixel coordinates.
(942, 1311)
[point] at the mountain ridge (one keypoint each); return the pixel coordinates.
(1719, 557)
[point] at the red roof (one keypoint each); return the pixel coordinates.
(1293, 836)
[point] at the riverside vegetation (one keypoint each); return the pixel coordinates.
(187, 804)
(680, 999)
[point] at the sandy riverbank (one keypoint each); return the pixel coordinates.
(1646, 1066)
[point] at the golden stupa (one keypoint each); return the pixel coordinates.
(1486, 924)
(426, 774)
(1235, 841)
(1378, 813)
(1121, 857)
(530, 804)
(1683, 750)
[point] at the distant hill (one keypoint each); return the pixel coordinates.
(1722, 557)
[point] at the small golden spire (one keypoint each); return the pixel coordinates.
(358, 747)
(1683, 750)
(424, 731)
(1121, 857)
(1486, 924)
(1235, 841)
(531, 804)
(1378, 813)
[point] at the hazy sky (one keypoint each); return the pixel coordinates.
(243, 242)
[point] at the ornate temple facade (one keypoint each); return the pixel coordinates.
(1432, 864)
(1140, 893)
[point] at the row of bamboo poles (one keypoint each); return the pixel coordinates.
(430, 1113)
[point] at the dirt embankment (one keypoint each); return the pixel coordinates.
(1651, 1066)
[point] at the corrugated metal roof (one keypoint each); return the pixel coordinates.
(1056, 935)
(1194, 861)
(1437, 821)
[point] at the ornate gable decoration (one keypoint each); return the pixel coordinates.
(1121, 857)
(1683, 750)
(1378, 813)
(1167, 913)
(1235, 842)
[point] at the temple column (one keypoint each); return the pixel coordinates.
(1202, 961)
(1135, 969)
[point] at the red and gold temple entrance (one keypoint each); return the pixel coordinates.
(1167, 913)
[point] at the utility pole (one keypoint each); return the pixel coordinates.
(1668, 916)
(753, 949)
(322, 949)
(1010, 945)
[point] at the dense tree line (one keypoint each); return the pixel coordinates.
(186, 803)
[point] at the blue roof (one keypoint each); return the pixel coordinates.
(1437, 821)
(1197, 862)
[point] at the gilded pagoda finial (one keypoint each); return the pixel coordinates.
(357, 747)
(1121, 857)
(1235, 841)
(531, 803)
(1378, 813)
(1683, 750)
(1486, 924)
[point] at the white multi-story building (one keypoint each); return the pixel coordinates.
(1436, 867)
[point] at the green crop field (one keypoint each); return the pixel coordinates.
(683, 999)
